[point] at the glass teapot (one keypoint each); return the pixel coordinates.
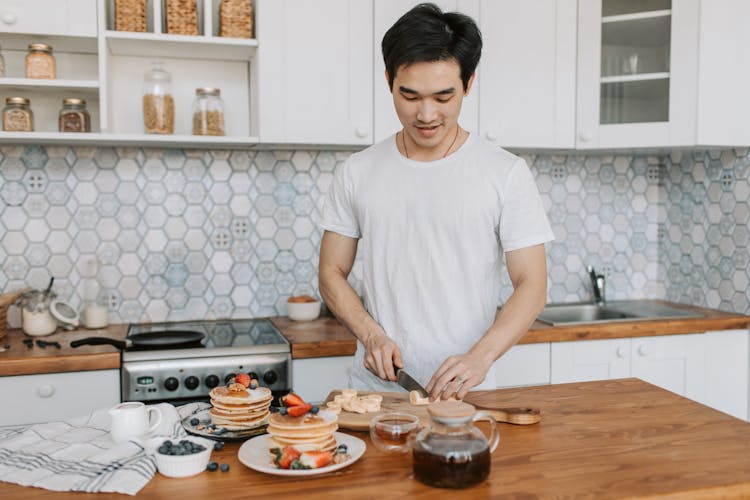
(452, 452)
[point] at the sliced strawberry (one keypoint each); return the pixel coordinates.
(298, 411)
(286, 457)
(314, 459)
(292, 399)
(243, 378)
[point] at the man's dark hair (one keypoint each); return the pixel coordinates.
(427, 34)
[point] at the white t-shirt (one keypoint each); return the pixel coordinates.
(431, 240)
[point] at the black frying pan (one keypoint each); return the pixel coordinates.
(139, 341)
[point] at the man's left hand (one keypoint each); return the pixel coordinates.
(457, 375)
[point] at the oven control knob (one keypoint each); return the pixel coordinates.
(212, 381)
(192, 382)
(171, 384)
(270, 377)
(254, 375)
(229, 377)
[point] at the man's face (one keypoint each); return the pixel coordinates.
(428, 97)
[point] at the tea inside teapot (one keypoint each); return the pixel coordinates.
(451, 452)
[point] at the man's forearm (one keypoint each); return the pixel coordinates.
(345, 304)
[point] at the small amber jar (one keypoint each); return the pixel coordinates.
(74, 117)
(17, 115)
(40, 63)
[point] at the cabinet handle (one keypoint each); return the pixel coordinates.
(586, 136)
(361, 132)
(45, 390)
(642, 350)
(491, 136)
(9, 18)
(621, 353)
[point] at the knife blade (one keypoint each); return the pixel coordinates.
(410, 383)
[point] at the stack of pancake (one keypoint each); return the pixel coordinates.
(236, 408)
(310, 432)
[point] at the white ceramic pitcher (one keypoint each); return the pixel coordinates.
(130, 420)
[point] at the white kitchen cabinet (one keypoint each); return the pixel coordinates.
(387, 12)
(727, 373)
(527, 74)
(315, 71)
(723, 106)
(314, 378)
(673, 362)
(637, 73)
(523, 365)
(49, 17)
(57, 396)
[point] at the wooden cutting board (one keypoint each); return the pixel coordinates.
(399, 402)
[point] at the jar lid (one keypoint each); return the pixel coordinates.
(74, 101)
(16, 100)
(40, 46)
(451, 411)
(64, 313)
(208, 91)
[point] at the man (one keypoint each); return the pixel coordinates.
(434, 208)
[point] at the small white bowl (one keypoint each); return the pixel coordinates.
(303, 311)
(184, 465)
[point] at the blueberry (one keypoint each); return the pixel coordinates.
(224, 467)
(212, 466)
(342, 448)
(314, 410)
(253, 386)
(163, 449)
(168, 443)
(283, 410)
(220, 431)
(219, 445)
(194, 422)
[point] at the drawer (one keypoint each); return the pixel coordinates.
(58, 396)
(49, 17)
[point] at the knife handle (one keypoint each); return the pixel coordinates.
(513, 415)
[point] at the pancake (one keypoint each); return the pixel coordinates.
(237, 417)
(329, 445)
(308, 421)
(236, 408)
(222, 394)
(306, 433)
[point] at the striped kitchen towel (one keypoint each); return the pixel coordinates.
(79, 454)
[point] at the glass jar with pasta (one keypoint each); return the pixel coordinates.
(17, 115)
(158, 102)
(40, 63)
(208, 112)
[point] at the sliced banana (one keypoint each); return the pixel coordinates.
(416, 399)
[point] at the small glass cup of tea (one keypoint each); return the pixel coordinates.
(394, 431)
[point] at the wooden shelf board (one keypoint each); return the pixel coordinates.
(173, 46)
(137, 140)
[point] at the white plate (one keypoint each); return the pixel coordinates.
(254, 453)
(204, 418)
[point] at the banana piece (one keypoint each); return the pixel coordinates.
(416, 399)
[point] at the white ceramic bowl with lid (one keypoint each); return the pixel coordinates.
(303, 311)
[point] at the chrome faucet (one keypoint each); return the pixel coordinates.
(597, 284)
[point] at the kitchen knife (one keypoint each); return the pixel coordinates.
(409, 383)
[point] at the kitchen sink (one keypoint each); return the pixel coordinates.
(615, 311)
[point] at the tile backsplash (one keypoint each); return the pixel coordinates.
(184, 234)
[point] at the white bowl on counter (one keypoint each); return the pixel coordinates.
(184, 465)
(303, 311)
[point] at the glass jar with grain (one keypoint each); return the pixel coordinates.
(158, 102)
(208, 112)
(40, 63)
(74, 117)
(17, 115)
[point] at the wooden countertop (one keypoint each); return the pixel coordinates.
(327, 337)
(605, 440)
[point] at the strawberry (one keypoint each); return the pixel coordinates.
(292, 399)
(285, 456)
(298, 411)
(313, 460)
(243, 378)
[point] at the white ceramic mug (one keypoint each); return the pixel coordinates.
(130, 420)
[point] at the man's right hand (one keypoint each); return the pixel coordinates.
(382, 355)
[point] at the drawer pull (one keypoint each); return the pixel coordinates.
(46, 390)
(642, 350)
(621, 353)
(8, 18)
(361, 132)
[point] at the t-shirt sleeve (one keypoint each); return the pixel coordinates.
(523, 220)
(338, 213)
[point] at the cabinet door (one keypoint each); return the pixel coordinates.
(525, 364)
(672, 362)
(315, 71)
(49, 17)
(314, 378)
(528, 73)
(727, 372)
(723, 106)
(387, 12)
(58, 396)
(585, 360)
(637, 67)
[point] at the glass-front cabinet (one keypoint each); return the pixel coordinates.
(637, 73)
